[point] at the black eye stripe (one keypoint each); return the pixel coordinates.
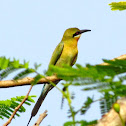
(77, 33)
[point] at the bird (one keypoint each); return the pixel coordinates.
(65, 53)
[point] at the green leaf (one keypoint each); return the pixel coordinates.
(80, 123)
(24, 73)
(37, 66)
(86, 105)
(4, 62)
(7, 106)
(118, 5)
(106, 102)
(37, 78)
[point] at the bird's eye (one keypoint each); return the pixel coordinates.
(77, 33)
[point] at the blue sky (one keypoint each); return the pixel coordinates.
(31, 30)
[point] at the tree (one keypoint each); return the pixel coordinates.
(108, 78)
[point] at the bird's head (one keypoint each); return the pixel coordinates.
(74, 33)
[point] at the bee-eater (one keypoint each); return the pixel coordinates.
(65, 53)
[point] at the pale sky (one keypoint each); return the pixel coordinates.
(31, 30)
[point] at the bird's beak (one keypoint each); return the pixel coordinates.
(85, 30)
(78, 33)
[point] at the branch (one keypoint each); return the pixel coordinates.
(41, 117)
(17, 108)
(122, 57)
(28, 80)
(112, 118)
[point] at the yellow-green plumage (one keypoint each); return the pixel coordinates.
(65, 53)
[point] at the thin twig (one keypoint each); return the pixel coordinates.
(41, 117)
(17, 108)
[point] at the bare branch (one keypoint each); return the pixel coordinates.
(17, 108)
(122, 57)
(26, 81)
(112, 118)
(41, 117)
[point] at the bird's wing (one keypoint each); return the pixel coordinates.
(57, 53)
(74, 60)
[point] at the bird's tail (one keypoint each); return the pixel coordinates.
(41, 98)
(45, 90)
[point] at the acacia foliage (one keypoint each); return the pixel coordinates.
(109, 80)
(118, 5)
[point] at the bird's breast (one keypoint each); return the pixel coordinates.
(69, 50)
(68, 55)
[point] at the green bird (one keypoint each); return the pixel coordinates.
(65, 53)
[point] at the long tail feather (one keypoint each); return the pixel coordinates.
(40, 100)
(38, 103)
(29, 120)
(45, 90)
